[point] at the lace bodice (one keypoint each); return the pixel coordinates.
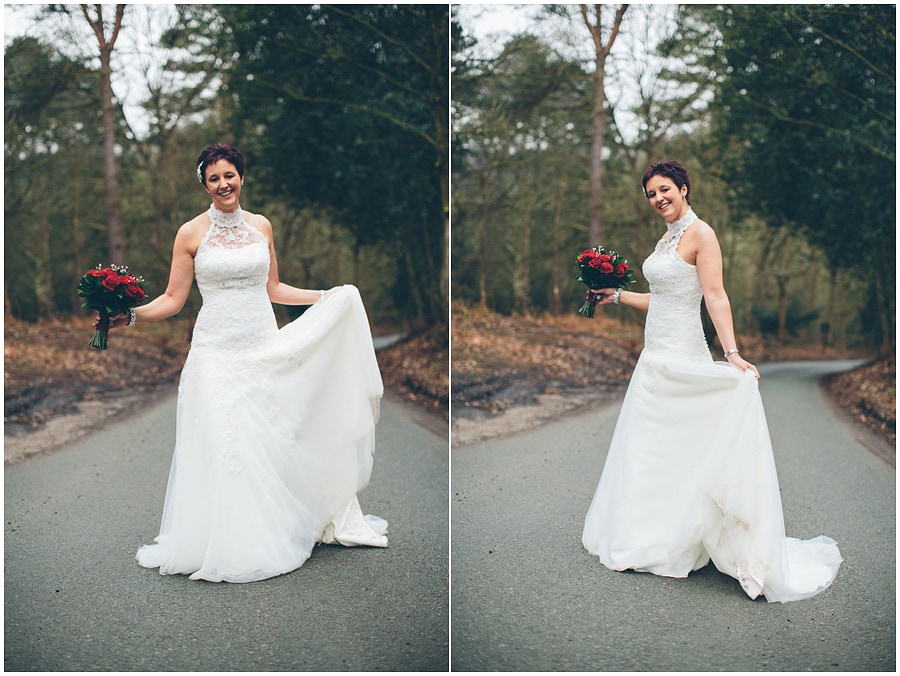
(231, 268)
(673, 327)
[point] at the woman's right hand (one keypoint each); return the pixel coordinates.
(604, 296)
(115, 321)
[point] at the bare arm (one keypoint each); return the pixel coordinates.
(181, 276)
(278, 291)
(641, 301)
(708, 258)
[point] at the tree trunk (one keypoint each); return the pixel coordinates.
(43, 284)
(483, 243)
(336, 258)
(116, 235)
(595, 178)
(555, 299)
(840, 321)
(440, 29)
(110, 177)
(415, 289)
(521, 277)
(782, 281)
(812, 279)
(521, 242)
(595, 204)
(76, 240)
(829, 327)
(887, 308)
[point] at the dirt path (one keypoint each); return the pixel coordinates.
(512, 374)
(57, 390)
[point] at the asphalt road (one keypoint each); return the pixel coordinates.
(528, 597)
(76, 600)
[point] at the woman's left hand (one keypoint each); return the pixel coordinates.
(744, 365)
(325, 293)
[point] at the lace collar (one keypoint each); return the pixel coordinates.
(225, 220)
(669, 243)
(679, 226)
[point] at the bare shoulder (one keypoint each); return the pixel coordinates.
(703, 228)
(261, 223)
(191, 233)
(702, 234)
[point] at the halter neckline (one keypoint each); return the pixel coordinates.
(224, 219)
(679, 225)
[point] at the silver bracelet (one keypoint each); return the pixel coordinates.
(132, 317)
(321, 294)
(616, 296)
(729, 353)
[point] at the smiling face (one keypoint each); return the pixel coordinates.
(667, 199)
(223, 182)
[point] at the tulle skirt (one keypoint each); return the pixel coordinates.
(273, 441)
(690, 477)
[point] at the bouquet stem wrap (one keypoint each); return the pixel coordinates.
(101, 335)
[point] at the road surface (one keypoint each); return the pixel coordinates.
(75, 599)
(528, 597)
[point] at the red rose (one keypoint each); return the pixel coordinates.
(606, 267)
(112, 281)
(98, 272)
(621, 269)
(606, 258)
(134, 291)
(596, 263)
(587, 254)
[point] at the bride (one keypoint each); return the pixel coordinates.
(690, 474)
(275, 428)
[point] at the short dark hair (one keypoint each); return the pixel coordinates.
(213, 154)
(671, 170)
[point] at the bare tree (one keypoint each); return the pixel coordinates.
(595, 205)
(113, 207)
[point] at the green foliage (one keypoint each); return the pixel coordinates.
(797, 318)
(339, 111)
(809, 92)
(784, 116)
(336, 107)
(52, 178)
(521, 124)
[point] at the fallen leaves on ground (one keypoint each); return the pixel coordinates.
(49, 368)
(418, 369)
(500, 361)
(869, 395)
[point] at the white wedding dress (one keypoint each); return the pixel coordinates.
(275, 428)
(690, 474)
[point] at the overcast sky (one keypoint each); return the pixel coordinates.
(642, 27)
(492, 25)
(133, 60)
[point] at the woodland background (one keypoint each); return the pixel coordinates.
(340, 111)
(784, 115)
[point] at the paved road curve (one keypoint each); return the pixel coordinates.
(76, 600)
(527, 597)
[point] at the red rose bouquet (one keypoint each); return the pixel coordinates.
(110, 291)
(601, 269)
